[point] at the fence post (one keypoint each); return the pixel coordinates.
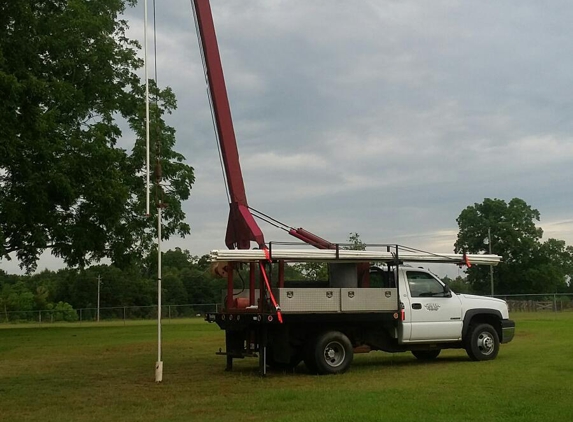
(124, 315)
(40, 317)
(169, 312)
(554, 302)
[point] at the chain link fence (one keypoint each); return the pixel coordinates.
(117, 313)
(556, 302)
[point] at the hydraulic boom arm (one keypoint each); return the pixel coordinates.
(241, 227)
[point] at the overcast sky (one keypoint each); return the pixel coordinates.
(385, 118)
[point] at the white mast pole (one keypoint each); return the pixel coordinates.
(159, 364)
(147, 184)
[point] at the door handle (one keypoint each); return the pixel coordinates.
(416, 306)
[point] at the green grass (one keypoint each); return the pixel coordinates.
(106, 373)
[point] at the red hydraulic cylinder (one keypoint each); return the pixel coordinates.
(311, 239)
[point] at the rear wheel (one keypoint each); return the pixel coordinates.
(426, 354)
(482, 342)
(333, 353)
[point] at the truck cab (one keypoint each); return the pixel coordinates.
(434, 314)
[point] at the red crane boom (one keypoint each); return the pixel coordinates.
(241, 227)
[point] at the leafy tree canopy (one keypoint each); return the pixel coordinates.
(355, 243)
(319, 270)
(529, 265)
(68, 84)
(458, 284)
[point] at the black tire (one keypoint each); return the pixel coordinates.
(426, 354)
(333, 353)
(482, 342)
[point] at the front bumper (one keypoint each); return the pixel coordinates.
(507, 330)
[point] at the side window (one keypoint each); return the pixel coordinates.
(380, 278)
(376, 278)
(424, 285)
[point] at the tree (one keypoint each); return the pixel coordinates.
(174, 291)
(68, 83)
(552, 267)
(528, 265)
(458, 284)
(202, 286)
(356, 244)
(16, 298)
(63, 311)
(172, 259)
(312, 270)
(319, 270)
(41, 298)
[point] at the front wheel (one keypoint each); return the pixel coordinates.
(333, 353)
(482, 342)
(426, 354)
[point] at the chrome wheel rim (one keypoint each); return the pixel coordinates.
(334, 354)
(486, 343)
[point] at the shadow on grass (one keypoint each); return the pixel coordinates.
(403, 360)
(380, 361)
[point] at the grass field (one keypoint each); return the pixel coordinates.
(106, 373)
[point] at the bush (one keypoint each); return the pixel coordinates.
(63, 311)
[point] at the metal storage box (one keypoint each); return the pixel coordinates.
(368, 299)
(308, 299)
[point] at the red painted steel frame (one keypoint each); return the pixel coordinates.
(241, 228)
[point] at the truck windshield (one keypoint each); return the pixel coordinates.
(424, 285)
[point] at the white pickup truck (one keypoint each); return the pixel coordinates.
(391, 307)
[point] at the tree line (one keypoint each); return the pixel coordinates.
(528, 266)
(185, 279)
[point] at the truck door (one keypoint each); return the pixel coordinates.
(432, 310)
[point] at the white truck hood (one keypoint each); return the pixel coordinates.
(483, 302)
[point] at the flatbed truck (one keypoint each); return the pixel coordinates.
(384, 305)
